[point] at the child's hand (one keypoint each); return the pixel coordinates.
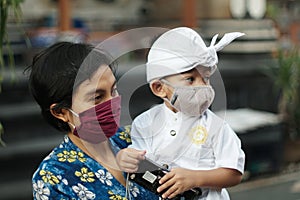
(129, 158)
(177, 181)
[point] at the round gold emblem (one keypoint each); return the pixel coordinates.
(198, 135)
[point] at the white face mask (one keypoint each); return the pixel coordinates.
(192, 101)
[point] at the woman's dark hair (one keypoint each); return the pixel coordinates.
(53, 73)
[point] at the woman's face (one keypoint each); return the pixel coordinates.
(99, 88)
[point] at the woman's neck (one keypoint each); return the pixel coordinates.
(101, 152)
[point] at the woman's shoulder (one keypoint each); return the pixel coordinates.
(63, 172)
(60, 160)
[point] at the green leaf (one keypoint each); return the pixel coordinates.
(2, 143)
(5, 6)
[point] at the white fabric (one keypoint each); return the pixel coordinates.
(181, 49)
(152, 129)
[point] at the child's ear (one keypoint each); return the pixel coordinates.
(59, 113)
(158, 89)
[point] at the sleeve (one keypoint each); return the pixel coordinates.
(136, 135)
(139, 135)
(227, 149)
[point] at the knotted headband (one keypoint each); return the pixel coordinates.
(181, 49)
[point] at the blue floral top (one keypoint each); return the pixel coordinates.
(68, 173)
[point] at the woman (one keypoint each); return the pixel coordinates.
(75, 86)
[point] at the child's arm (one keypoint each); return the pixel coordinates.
(179, 180)
(129, 158)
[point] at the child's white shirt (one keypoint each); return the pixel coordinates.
(197, 143)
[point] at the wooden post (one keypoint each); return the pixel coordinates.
(189, 18)
(64, 18)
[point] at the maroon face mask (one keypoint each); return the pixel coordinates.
(99, 122)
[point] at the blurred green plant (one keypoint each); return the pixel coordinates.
(273, 10)
(286, 77)
(1, 132)
(5, 7)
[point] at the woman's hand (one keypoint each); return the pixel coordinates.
(129, 158)
(177, 181)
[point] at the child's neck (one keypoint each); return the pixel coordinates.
(170, 107)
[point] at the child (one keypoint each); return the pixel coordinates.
(201, 149)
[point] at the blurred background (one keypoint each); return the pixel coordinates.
(260, 73)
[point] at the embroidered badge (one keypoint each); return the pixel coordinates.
(198, 135)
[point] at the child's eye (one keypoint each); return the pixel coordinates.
(189, 79)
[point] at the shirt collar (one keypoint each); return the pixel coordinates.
(169, 112)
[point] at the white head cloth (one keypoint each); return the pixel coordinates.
(181, 49)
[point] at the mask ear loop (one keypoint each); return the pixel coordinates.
(73, 126)
(174, 96)
(74, 113)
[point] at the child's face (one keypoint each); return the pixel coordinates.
(195, 77)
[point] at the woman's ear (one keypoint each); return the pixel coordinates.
(59, 113)
(157, 88)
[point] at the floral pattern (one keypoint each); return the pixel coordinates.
(134, 190)
(70, 156)
(82, 192)
(115, 196)
(104, 177)
(41, 191)
(66, 156)
(48, 177)
(85, 175)
(68, 173)
(125, 135)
